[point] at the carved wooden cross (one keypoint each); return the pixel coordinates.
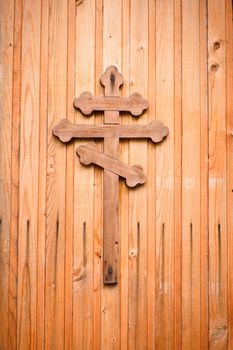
(111, 131)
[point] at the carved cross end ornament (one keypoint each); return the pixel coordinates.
(111, 131)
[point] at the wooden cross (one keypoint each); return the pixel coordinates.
(111, 131)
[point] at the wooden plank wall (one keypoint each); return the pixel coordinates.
(175, 286)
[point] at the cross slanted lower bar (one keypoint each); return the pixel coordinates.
(111, 104)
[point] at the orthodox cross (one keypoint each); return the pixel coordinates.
(111, 131)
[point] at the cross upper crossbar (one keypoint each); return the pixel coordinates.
(111, 104)
(87, 103)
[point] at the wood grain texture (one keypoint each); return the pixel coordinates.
(15, 150)
(111, 53)
(178, 175)
(204, 206)
(42, 170)
(83, 237)
(55, 175)
(218, 326)
(70, 162)
(87, 103)
(98, 198)
(193, 95)
(6, 95)
(124, 191)
(164, 229)
(28, 174)
(155, 131)
(111, 80)
(152, 180)
(175, 232)
(229, 110)
(89, 154)
(138, 303)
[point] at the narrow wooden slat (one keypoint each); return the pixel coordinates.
(83, 186)
(28, 190)
(43, 105)
(110, 295)
(165, 177)
(98, 179)
(191, 166)
(229, 111)
(56, 172)
(15, 146)
(178, 177)
(70, 161)
(138, 203)
(6, 95)
(204, 321)
(124, 192)
(151, 178)
(217, 176)
(111, 80)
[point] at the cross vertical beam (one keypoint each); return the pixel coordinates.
(111, 80)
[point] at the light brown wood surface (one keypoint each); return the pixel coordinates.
(218, 235)
(194, 177)
(89, 154)
(6, 134)
(155, 131)
(111, 46)
(175, 242)
(87, 103)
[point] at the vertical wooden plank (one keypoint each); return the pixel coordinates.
(83, 186)
(98, 205)
(152, 178)
(229, 111)
(6, 70)
(178, 176)
(70, 161)
(204, 233)
(217, 176)
(193, 148)
(40, 336)
(110, 303)
(56, 175)
(28, 190)
(124, 190)
(111, 185)
(15, 146)
(165, 177)
(138, 269)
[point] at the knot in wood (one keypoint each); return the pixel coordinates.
(217, 45)
(214, 67)
(133, 253)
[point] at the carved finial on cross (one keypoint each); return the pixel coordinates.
(111, 104)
